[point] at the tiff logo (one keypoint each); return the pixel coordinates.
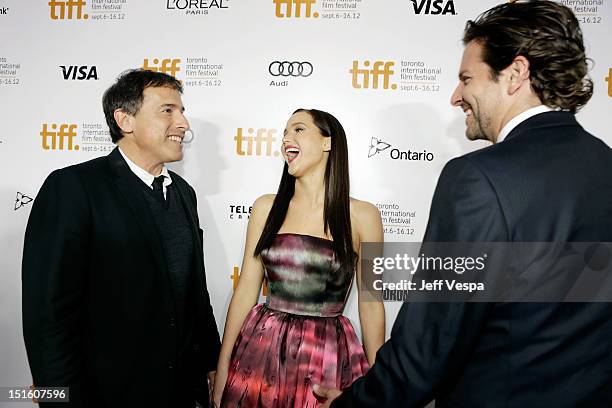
(79, 73)
(263, 136)
(380, 68)
(67, 10)
(609, 79)
(433, 7)
(235, 277)
(66, 134)
(294, 8)
(168, 66)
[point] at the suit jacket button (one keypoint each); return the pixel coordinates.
(171, 364)
(172, 322)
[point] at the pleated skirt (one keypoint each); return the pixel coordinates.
(278, 356)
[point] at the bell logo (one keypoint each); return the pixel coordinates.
(60, 140)
(609, 79)
(67, 10)
(294, 8)
(75, 72)
(263, 136)
(361, 76)
(239, 212)
(235, 277)
(433, 7)
(168, 66)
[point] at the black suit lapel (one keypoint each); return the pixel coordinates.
(129, 186)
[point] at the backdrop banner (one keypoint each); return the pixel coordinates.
(385, 69)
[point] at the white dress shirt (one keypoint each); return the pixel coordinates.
(521, 117)
(145, 176)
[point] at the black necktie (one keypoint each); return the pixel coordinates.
(158, 188)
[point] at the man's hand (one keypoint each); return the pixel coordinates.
(211, 385)
(326, 395)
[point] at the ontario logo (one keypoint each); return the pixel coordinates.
(434, 7)
(378, 146)
(22, 200)
(370, 75)
(295, 8)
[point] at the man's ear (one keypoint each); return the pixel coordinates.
(518, 74)
(327, 144)
(124, 120)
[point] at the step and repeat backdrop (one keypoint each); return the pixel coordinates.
(385, 68)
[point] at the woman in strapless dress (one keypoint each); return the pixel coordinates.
(305, 240)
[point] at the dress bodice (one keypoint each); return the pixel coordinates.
(304, 276)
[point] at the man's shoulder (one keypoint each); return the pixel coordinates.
(83, 169)
(183, 185)
(497, 156)
(179, 180)
(486, 153)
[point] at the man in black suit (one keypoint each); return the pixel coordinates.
(522, 77)
(115, 304)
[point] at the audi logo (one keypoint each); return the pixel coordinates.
(294, 69)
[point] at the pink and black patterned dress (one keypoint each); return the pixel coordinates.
(299, 337)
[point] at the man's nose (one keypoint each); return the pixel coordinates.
(456, 98)
(182, 122)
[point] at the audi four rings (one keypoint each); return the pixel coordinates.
(287, 68)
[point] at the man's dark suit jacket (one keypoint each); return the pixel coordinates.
(549, 181)
(98, 308)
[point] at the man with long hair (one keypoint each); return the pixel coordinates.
(522, 77)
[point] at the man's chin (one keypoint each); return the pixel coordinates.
(471, 135)
(175, 157)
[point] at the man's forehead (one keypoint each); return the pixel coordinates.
(473, 52)
(162, 94)
(472, 58)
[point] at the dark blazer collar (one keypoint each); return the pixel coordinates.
(543, 120)
(118, 165)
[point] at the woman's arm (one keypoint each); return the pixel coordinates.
(371, 313)
(246, 293)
